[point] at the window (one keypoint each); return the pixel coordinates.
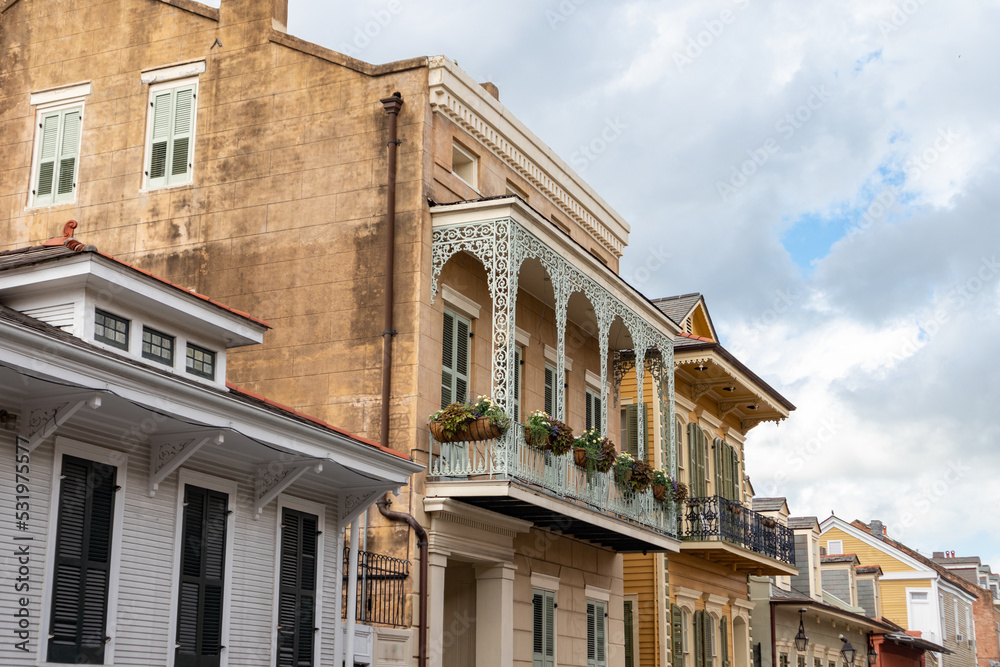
(593, 418)
(297, 588)
(518, 363)
(596, 634)
(783, 660)
(630, 627)
(200, 362)
(202, 578)
(157, 346)
(550, 390)
(801, 661)
(817, 662)
(727, 466)
(543, 634)
(704, 639)
(82, 567)
(111, 329)
(465, 164)
(455, 359)
(679, 435)
(630, 429)
(834, 547)
(676, 636)
(57, 154)
(697, 468)
(724, 640)
(170, 133)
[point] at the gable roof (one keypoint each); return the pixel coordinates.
(802, 522)
(678, 307)
(768, 504)
(839, 558)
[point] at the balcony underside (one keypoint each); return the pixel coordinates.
(515, 499)
(736, 558)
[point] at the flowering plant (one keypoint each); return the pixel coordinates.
(546, 432)
(601, 451)
(455, 416)
(677, 490)
(633, 474)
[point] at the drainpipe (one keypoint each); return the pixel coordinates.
(392, 105)
(383, 508)
(774, 652)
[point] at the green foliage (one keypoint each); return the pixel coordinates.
(601, 452)
(456, 415)
(545, 432)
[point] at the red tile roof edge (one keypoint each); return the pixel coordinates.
(315, 420)
(695, 337)
(185, 290)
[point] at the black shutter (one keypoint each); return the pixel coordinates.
(203, 571)
(297, 589)
(82, 562)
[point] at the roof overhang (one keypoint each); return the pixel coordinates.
(738, 559)
(870, 624)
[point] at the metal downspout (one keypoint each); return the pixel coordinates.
(392, 105)
(383, 507)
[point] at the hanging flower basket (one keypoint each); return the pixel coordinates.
(580, 457)
(547, 433)
(659, 492)
(475, 430)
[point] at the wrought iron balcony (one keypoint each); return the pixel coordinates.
(716, 518)
(510, 459)
(381, 598)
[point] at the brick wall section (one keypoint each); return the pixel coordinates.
(987, 622)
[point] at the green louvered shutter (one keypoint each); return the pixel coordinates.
(543, 637)
(629, 643)
(676, 636)
(171, 137)
(708, 637)
(646, 437)
(679, 435)
(596, 635)
(593, 416)
(454, 359)
(81, 573)
(448, 360)
(631, 444)
(724, 640)
(699, 639)
(550, 389)
(58, 155)
(517, 384)
(717, 461)
(736, 473)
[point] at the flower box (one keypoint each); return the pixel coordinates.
(473, 431)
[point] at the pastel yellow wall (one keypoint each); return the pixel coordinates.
(640, 580)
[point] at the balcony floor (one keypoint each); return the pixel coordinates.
(737, 558)
(515, 499)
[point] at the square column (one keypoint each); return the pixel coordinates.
(436, 565)
(495, 615)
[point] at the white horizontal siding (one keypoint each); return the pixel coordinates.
(147, 551)
(58, 315)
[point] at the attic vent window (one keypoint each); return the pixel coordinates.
(200, 362)
(465, 165)
(111, 329)
(157, 346)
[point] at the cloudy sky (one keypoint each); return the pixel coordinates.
(825, 173)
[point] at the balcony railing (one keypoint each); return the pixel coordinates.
(716, 518)
(380, 588)
(510, 457)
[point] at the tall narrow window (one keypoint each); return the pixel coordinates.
(202, 580)
(57, 153)
(676, 636)
(543, 633)
(78, 626)
(596, 634)
(629, 610)
(630, 430)
(724, 641)
(697, 468)
(455, 359)
(297, 589)
(170, 142)
(550, 389)
(593, 419)
(518, 362)
(679, 435)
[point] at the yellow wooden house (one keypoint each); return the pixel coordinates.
(691, 609)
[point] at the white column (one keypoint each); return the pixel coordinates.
(352, 595)
(436, 564)
(640, 378)
(338, 623)
(495, 615)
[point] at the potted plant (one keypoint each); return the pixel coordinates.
(680, 491)
(545, 432)
(462, 422)
(623, 468)
(768, 522)
(661, 480)
(642, 476)
(591, 450)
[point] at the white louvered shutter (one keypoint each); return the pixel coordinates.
(58, 155)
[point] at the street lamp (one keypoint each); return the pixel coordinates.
(801, 641)
(872, 655)
(847, 651)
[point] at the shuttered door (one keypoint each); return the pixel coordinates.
(297, 589)
(171, 137)
(676, 636)
(543, 635)
(629, 643)
(694, 438)
(77, 632)
(699, 639)
(550, 390)
(517, 383)
(734, 453)
(647, 425)
(708, 639)
(454, 359)
(720, 488)
(58, 154)
(203, 561)
(632, 429)
(724, 640)
(596, 635)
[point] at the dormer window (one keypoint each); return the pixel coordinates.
(157, 346)
(111, 329)
(200, 362)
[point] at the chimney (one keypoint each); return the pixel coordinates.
(492, 89)
(878, 530)
(938, 554)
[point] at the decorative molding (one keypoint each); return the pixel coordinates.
(167, 453)
(474, 517)
(521, 337)
(592, 379)
(74, 92)
(460, 303)
(595, 593)
(172, 72)
(545, 582)
(46, 417)
(551, 356)
(273, 477)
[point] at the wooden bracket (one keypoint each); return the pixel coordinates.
(167, 453)
(274, 477)
(45, 417)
